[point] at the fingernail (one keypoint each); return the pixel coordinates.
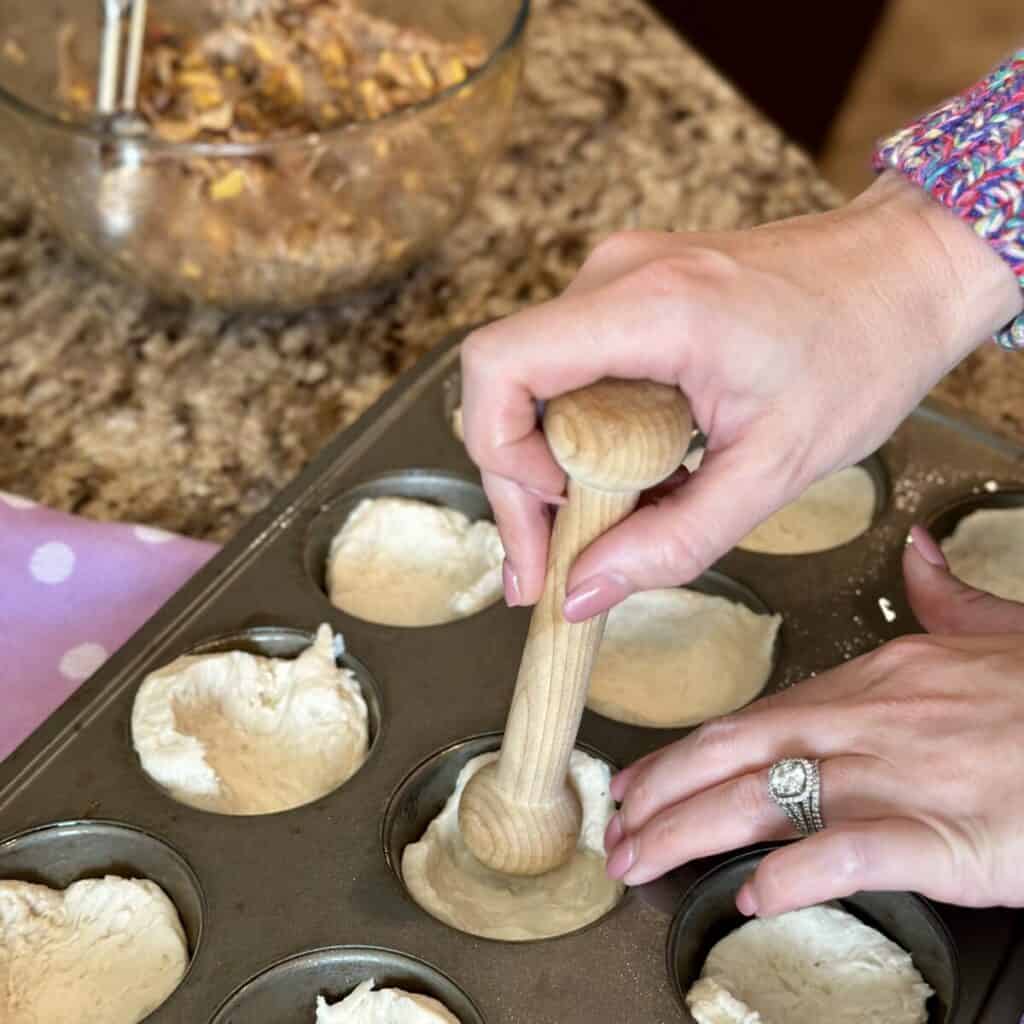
(546, 497)
(746, 901)
(595, 595)
(513, 598)
(622, 859)
(924, 544)
(618, 788)
(613, 833)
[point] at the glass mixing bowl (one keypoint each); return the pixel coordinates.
(278, 223)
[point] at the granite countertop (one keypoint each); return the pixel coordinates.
(117, 409)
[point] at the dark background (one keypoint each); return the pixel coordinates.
(795, 60)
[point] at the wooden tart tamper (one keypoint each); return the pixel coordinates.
(614, 439)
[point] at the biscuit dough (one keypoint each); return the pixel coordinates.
(986, 550)
(102, 951)
(410, 563)
(241, 734)
(806, 967)
(673, 658)
(446, 879)
(367, 1005)
(830, 512)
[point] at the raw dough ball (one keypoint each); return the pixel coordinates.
(409, 563)
(806, 967)
(829, 513)
(671, 658)
(986, 550)
(383, 1006)
(102, 951)
(241, 734)
(446, 879)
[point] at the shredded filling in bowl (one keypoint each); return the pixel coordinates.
(285, 152)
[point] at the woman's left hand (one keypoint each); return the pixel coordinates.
(921, 746)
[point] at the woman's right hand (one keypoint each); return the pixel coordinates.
(801, 345)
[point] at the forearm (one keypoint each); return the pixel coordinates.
(968, 156)
(949, 280)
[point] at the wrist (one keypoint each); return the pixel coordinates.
(959, 289)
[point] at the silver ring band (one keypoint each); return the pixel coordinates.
(794, 784)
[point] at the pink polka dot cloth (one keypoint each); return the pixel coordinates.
(71, 592)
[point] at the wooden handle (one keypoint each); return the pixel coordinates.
(614, 439)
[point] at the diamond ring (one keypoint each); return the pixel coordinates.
(794, 784)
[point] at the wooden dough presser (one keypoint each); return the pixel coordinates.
(614, 439)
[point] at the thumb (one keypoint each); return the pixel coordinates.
(854, 856)
(673, 540)
(944, 604)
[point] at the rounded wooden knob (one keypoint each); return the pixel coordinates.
(614, 439)
(618, 435)
(513, 837)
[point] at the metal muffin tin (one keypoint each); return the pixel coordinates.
(278, 907)
(708, 913)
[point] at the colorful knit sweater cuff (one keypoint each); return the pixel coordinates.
(969, 154)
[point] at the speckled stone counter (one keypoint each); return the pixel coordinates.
(192, 420)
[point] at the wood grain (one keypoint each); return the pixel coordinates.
(614, 439)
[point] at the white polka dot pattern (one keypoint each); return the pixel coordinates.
(52, 563)
(16, 501)
(72, 591)
(152, 535)
(80, 662)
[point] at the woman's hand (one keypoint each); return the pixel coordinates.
(800, 345)
(922, 766)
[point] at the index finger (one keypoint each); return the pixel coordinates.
(542, 352)
(803, 721)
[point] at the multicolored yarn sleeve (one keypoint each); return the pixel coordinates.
(969, 154)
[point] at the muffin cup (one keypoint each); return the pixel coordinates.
(708, 913)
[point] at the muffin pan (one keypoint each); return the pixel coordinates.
(717, 584)
(874, 467)
(943, 522)
(288, 644)
(708, 913)
(308, 900)
(422, 794)
(286, 992)
(444, 489)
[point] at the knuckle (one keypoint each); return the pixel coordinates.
(708, 265)
(718, 739)
(901, 652)
(621, 247)
(694, 271)
(659, 838)
(472, 351)
(633, 810)
(850, 861)
(771, 886)
(681, 554)
(478, 450)
(666, 276)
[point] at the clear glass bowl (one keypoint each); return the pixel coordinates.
(322, 215)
